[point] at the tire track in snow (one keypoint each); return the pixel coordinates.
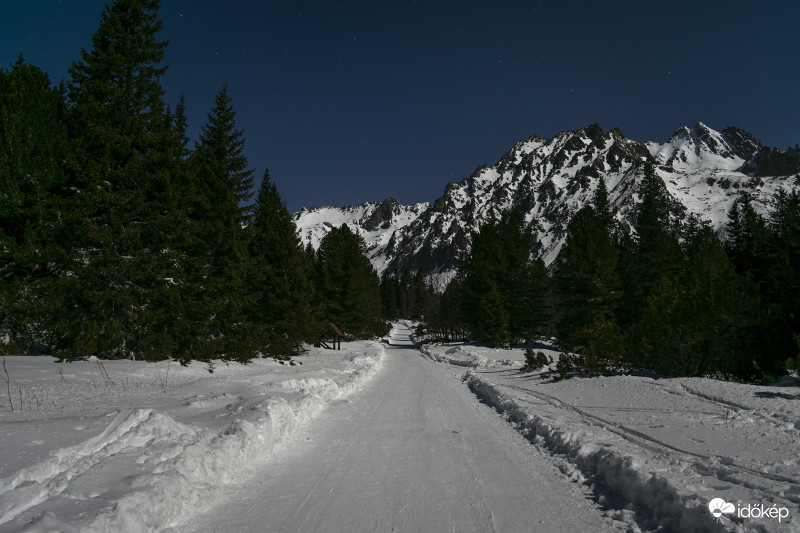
(412, 452)
(717, 464)
(616, 480)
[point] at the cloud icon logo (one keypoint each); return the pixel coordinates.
(718, 507)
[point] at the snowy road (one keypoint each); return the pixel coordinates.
(414, 451)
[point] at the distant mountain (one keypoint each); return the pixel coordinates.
(548, 180)
(377, 222)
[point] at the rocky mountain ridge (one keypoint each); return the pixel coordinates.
(548, 180)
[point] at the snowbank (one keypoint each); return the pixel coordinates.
(470, 356)
(150, 468)
(656, 452)
(619, 480)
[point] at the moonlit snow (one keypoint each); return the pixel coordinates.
(383, 436)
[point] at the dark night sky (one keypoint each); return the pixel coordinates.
(353, 101)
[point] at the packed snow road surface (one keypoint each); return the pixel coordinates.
(413, 451)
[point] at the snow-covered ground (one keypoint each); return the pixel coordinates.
(474, 356)
(383, 436)
(415, 451)
(659, 451)
(134, 446)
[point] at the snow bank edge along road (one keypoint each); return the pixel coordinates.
(649, 501)
(181, 466)
(651, 481)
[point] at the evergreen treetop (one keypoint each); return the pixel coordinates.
(180, 129)
(221, 148)
(115, 88)
(602, 206)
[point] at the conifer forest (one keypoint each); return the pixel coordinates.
(121, 237)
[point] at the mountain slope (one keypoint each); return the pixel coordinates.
(376, 222)
(548, 180)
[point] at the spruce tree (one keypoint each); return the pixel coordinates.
(748, 239)
(117, 101)
(703, 322)
(493, 328)
(123, 208)
(416, 289)
(500, 262)
(589, 288)
(281, 278)
(723, 309)
(219, 266)
(390, 296)
(221, 149)
(654, 254)
(180, 128)
(782, 284)
(33, 134)
(766, 251)
(602, 207)
(347, 285)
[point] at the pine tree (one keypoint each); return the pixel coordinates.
(123, 209)
(347, 285)
(500, 261)
(589, 288)
(221, 149)
(33, 134)
(282, 274)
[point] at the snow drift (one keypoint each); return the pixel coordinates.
(147, 470)
(655, 451)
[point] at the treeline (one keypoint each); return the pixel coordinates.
(119, 239)
(695, 306)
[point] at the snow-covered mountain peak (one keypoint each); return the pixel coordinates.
(376, 222)
(548, 180)
(697, 148)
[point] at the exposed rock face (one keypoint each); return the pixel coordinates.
(548, 180)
